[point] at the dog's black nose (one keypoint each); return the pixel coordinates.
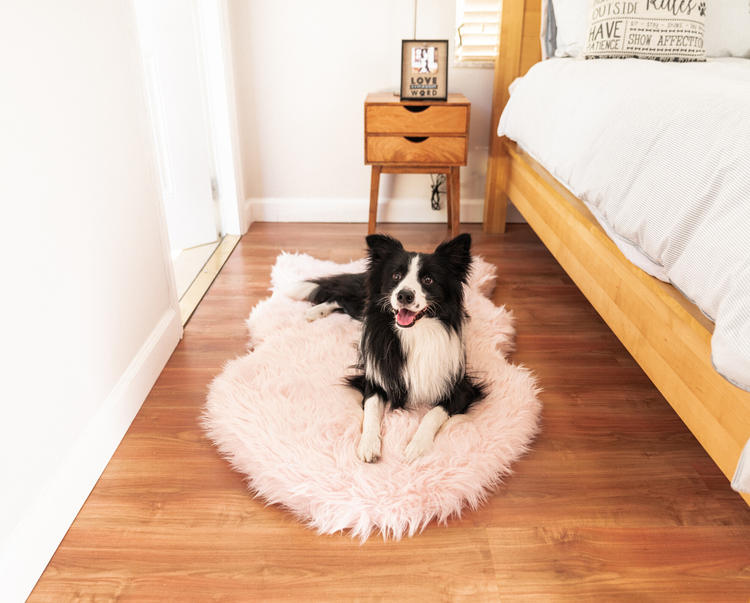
(405, 296)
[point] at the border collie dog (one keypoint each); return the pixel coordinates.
(411, 351)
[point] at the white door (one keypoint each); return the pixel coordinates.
(172, 57)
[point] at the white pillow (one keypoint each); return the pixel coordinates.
(650, 29)
(728, 28)
(572, 18)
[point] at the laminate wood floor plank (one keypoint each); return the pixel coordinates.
(641, 565)
(251, 562)
(616, 500)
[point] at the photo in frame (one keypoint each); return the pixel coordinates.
(424, 70)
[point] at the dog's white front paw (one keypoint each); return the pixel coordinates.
(368, 450)
(417, 448)
(422, 441)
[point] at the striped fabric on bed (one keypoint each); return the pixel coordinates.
(661, 153)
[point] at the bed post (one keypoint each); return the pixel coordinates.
(519, 49)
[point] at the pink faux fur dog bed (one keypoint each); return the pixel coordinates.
(282, 416)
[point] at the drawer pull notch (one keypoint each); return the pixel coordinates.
(416, 108)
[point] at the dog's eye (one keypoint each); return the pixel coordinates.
(427, 280)
(396, 276)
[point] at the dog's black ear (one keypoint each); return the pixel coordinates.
(381, 245)
(457, 254)
(460, 245)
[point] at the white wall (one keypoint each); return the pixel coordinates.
(302, 71)
(89, 312)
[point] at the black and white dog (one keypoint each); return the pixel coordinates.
(412, 348)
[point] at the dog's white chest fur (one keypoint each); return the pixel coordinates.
(435, 357)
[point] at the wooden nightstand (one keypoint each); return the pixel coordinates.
(417, 137)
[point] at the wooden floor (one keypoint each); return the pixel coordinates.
(615, 502)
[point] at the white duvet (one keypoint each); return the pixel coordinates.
(661, 154)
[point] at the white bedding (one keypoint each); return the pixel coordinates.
(660, 152)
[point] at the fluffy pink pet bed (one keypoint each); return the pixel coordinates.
(282, 417)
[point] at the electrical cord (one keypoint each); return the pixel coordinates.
(436, 184)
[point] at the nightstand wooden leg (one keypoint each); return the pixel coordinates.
(448, 197)
(374, 189)
(455, 200)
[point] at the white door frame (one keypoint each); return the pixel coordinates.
(213, 17)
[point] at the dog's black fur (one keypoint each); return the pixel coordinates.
(347, 290)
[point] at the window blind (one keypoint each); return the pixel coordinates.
(477, 30)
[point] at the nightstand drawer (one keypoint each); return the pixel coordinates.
(430, 119)
(438, 150)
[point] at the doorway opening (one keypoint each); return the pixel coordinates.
(183, 51)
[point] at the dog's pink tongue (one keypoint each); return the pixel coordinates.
(405, 317)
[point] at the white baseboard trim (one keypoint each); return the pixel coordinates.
(246, 209)
(289, 209)
(355, 210)
(37, 537)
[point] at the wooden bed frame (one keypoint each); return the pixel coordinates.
(667, 335)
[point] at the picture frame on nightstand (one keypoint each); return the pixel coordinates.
(424, 70)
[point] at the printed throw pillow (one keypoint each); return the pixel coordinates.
(662, 30)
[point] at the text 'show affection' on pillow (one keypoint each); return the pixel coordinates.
(661, 30)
